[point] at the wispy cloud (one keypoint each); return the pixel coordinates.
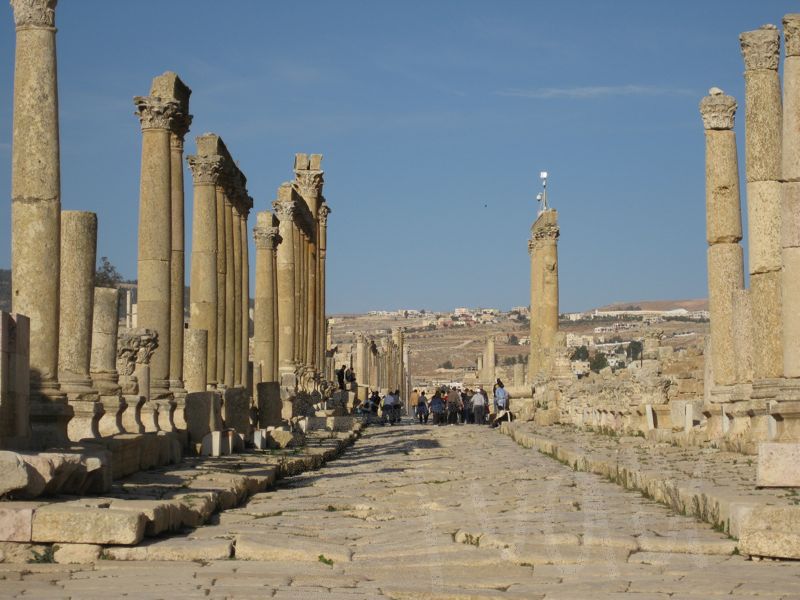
(593, 91)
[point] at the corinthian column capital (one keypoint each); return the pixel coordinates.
(309, 183)
(206, 170)
(286, 209)
(791, 34)
(155, 113)
(267, 237)
(761, 48)
(546, 232)
(324, 211)
(718, 110)
(34, 13)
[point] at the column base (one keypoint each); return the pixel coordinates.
(114, 407)
(165, 413)
(132, 417)
(49, 414)
(85, 423)
(160, 389)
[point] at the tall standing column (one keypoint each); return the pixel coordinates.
(230, 302)
(285, 208)
(36, 210)
(155, 233)
(790, 199)
(264, 340)
(245, 350)
(489, 361)
(298, 291)
(761, 52)
(723, 231)
(203, 307)
(105, 324)
(324, 211)
(222, 285)
(544, 291)
(236, 220)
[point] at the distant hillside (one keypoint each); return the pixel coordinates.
(5, 290)
(695, 304)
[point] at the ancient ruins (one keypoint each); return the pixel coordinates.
(115, 434)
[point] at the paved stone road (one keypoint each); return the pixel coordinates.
(456, 512)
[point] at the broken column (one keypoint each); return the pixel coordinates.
(103, 364)
(267, 239)
(543, 247)
(761, 51)
(206, 170)
(78, 258)
(723, 231)
(489, 361)
(36, 211)
(15, 429)
(195, 351)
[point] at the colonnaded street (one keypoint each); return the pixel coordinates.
(453, 512)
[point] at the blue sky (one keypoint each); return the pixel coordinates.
(435, 119)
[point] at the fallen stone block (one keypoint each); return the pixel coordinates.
(13, 473)
(771, 531)
(203, 415)
(16, 521)
(162, 515)
(56, 523)
(778, 465)
(236, 410)
(76, 554)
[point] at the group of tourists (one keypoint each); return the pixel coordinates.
(345, 377)
(450, 406)
(381, 410)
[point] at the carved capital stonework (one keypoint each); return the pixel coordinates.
(791, 34)
(34, 13)
(206, 170)
(180, 125)
(547, 232)
(267, 237)
(761, 48)
(531, 245)
(135, 346)
(718, 110)
(324, 211)
(155, 113)
(309, 183)
(286, 209)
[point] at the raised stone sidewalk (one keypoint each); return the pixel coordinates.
(714, 486)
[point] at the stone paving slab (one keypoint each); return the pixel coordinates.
(436, 513)
(712, 485)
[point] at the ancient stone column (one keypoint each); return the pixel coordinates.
(222, 285)
(78, 259)
(36, 210)
(103, 368)
(245, 337)
(236, 223)
(489, 361)
(361, 360)
(155, 233)
(195, 350)
(761, 51)
(285, 208)
(206, 171)
(230, 295)
(267, 239)
(790, 199)
(723, 230)
(544, 291)
(298, 295)
(324, 211)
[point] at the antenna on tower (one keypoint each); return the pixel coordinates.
(542, 196)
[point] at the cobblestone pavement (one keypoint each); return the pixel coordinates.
(455, 512)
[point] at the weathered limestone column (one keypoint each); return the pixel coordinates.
(36, 211)
(790, 199)
(155, 233)
(222, 270)
(723, 231)
(285, 207)
(236, 221)
(103, 368)
(195, 350)
(230, 297)
(361, 362)
(761, 51)
(489, 361)
(298, 295)
(267, 239)
(544, 292)
(15, 428)
(78, 259)
(169, 86)
(245, 338)
(203, 307)
(324, 211)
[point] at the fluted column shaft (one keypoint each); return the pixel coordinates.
(155, 233)
(723, 232)
(761, 51)
(203, 308)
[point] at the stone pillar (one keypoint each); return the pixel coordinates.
(790, 199)
(222, 284)
(543, 247)
(324, 211)
(267, 239)
(245, 338)
(195, 350)
(36, 211)
(15, 429)
(155, 233)
(103, 368)
(761, 51)
(361, 360)
(285, 207)
(298, 296)
(204, 270)
(134, 350)
(236, 223)
(723, 231)
(489, 361)
(230, 297)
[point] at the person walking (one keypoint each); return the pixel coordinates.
(500, 397)
(340, 376)
(466, 407)
(453, 406)
(422, 408)
(438, 408)
(479, 406)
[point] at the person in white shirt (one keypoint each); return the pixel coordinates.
(479, 407)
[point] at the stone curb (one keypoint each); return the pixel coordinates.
(758, 529)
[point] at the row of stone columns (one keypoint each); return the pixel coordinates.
(543, 249)
(381, 366)
(220, 296)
